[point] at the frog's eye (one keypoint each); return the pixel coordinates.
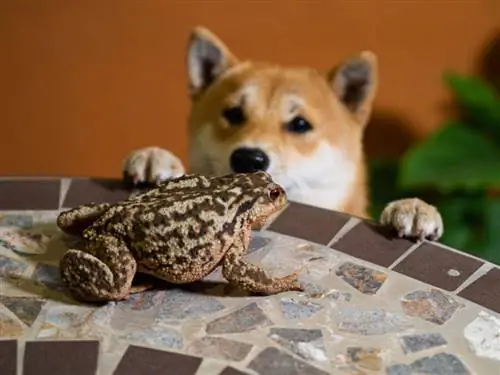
(275, 193)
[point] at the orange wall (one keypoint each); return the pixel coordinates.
(83, 82)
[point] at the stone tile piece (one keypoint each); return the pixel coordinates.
(181, 304)
(140, 360)
(220, 348)
(9, 327)
(418, 342)
(373, 243)
(483, 336)
(232, 371)
(244, 319)
(316, 291)
(11, 267)
(299, 309)
(67, 321)
(84, 190)
(16, 220)
(431, 305)
(309, 223)
(437, 272)
(336, 295)
(25, 308)
(288, 255)
(61, 357)
(8, 245)
(485, 291)
(258, 242)
(272, 361)
(49, 276)
(24, 242)
(364, 279)
(306, 343)
(29, 194)
(143, 301)
(439, 364)
(158, 337)
(8, 357)
(371, 322)
(365, 358)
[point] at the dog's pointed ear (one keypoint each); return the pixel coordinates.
(207, 58)
(355, 83)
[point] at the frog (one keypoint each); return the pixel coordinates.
(178, 232)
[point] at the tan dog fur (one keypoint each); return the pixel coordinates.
(323, 167)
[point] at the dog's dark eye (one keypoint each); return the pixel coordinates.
(298, 125)
(234, 115)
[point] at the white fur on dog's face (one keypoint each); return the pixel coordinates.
(323, 178)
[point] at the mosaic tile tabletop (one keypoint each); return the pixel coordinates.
(372, 305)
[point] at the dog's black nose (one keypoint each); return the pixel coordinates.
(248, 160)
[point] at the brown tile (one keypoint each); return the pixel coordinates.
(485, 291)
(30, 194)
(61, 357)
(232, 371)
(436, 266)
(373, 243)
(139, 360)
(8, 357)
(95, 191)
(309, 223)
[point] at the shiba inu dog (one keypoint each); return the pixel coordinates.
(303, 127)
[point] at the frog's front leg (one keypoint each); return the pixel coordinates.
(75, 220)
(251, 277)
(104, 273)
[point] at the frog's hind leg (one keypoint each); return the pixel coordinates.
(75, 220)
(103, 273)
(252, 278)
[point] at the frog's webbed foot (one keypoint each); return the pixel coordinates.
(75, 220)
(254, 279)
(103, 274)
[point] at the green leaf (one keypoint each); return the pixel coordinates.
(478, 99)
(457, 233)
(463, 218)
(472, 224)
(453, 157)
(492, 231)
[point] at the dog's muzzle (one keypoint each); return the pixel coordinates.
(248, 160)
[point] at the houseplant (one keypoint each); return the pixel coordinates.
(457, 168)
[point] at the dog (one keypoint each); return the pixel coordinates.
(303, 127)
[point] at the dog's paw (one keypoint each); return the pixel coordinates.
(414, 219)
(151, 165)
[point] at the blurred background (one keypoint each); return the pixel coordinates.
(84, 82)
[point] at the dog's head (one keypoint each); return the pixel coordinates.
(303, 127)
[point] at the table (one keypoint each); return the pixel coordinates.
(372, 304)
